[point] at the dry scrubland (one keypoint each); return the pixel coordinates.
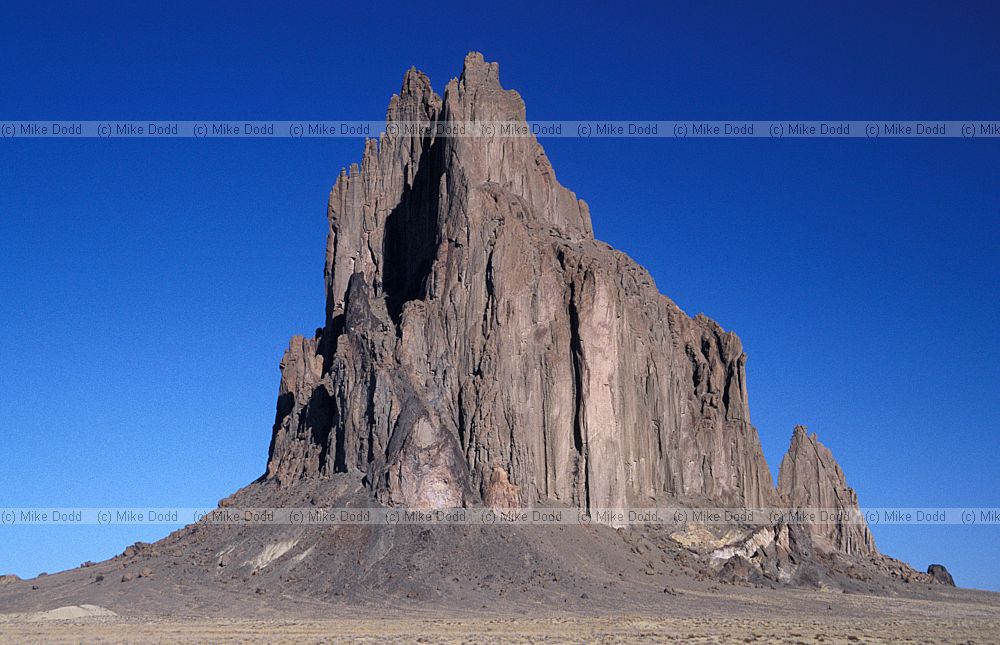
(739, 616)
(501, 630)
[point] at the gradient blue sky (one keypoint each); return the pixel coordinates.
(149, 287)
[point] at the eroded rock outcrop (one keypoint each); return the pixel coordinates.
(810, 478)
(474, 323)
(939, 574)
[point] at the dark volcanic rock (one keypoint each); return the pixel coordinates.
(480, 347)
(940, 575)
(735, 570)
(810, 478)
(475, 324)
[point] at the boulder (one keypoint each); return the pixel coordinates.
(940, 575)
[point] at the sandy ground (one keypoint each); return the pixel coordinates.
(609, 629)
(739, 616)
(417, 584)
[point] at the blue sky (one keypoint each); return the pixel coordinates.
(150, 287)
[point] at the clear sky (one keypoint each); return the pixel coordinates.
(149, 288)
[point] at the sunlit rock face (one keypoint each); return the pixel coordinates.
(810, 478)
(474, 325)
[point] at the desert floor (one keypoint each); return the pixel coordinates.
(767, 618)
(611, 629)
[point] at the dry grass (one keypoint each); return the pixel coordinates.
(611, 629)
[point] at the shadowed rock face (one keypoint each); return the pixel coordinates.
(939, 574)
(811, 478)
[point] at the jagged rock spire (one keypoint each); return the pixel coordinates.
(474, 326)
(811, 478)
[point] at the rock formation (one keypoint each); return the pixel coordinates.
(810, 478)
(940, 575)
(474, 325)
(481, 348)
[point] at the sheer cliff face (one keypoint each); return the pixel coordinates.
(479, 343)
(811, 478)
